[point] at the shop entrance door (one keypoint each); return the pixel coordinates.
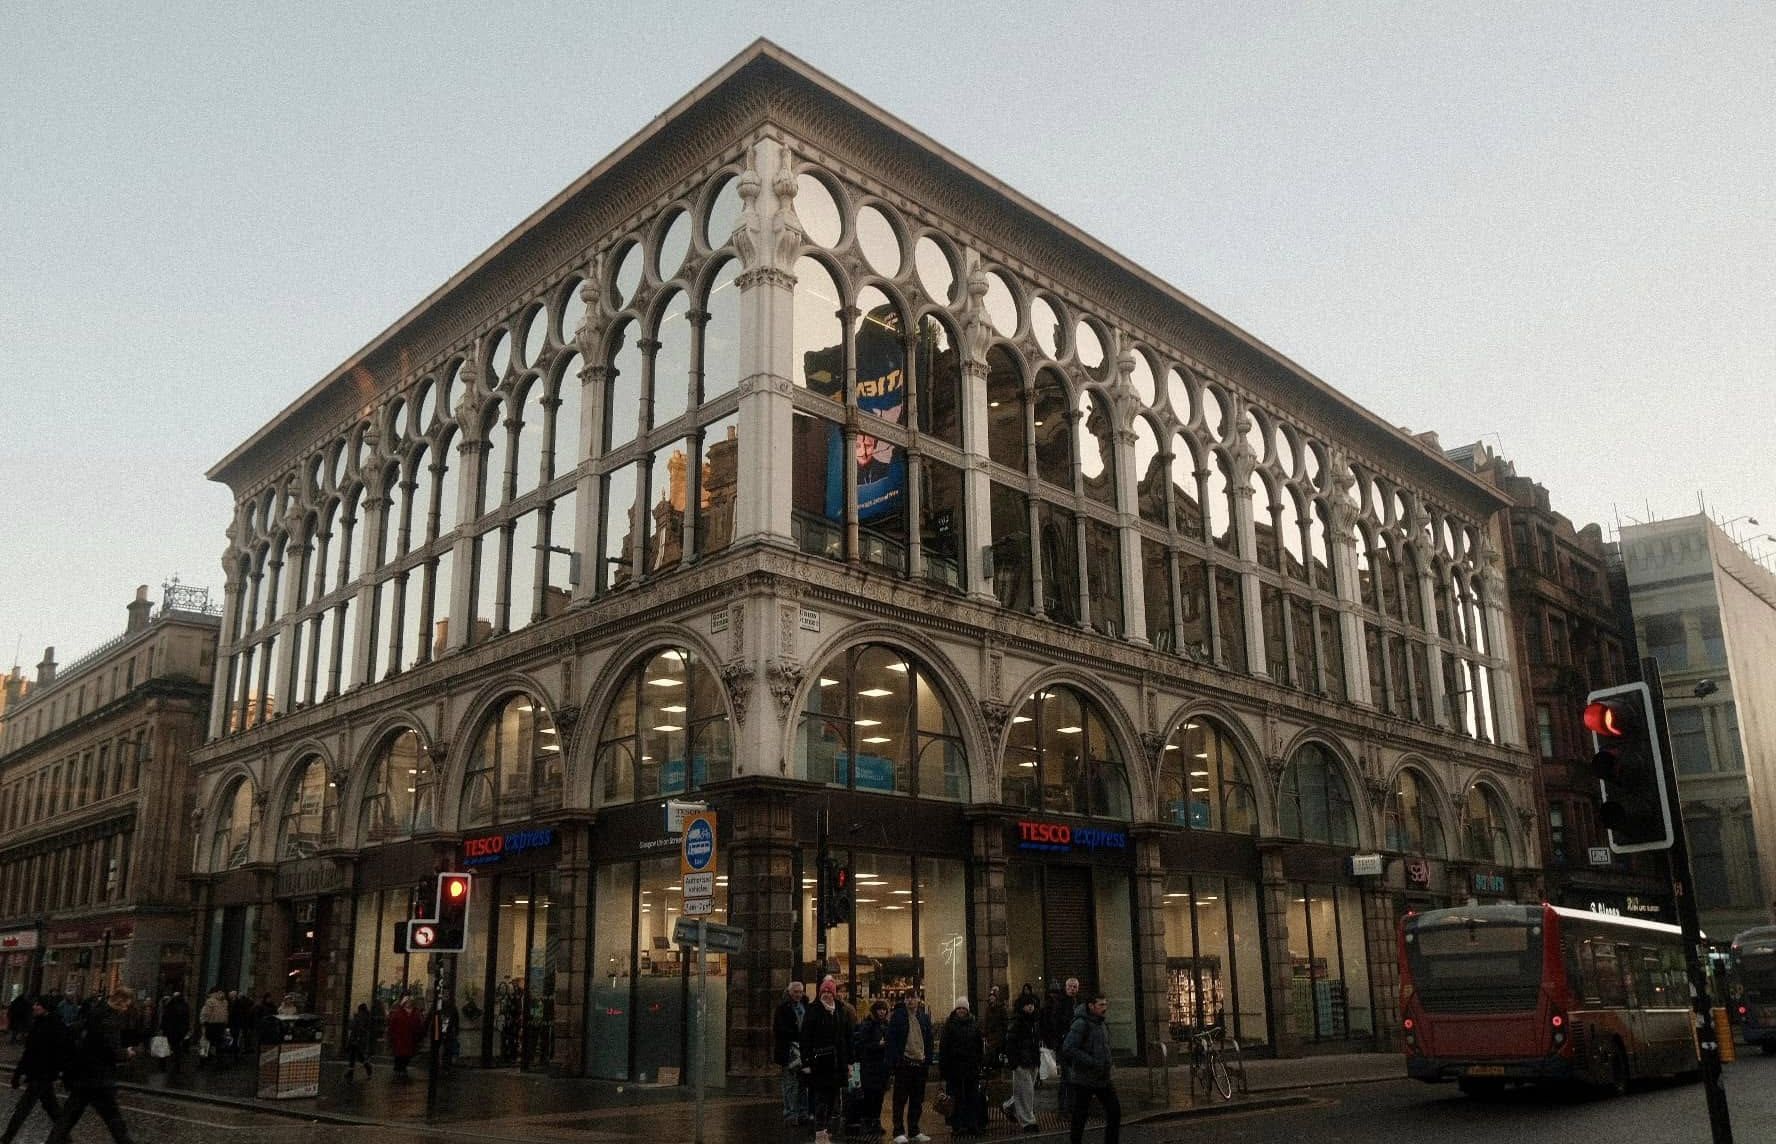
(1068, 945)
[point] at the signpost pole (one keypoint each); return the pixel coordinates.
(702, 1017)
(437, 1030)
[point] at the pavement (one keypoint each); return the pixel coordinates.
(510, 1105)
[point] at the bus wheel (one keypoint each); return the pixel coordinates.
(1615, 1070)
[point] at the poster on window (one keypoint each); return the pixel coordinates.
(881, 390)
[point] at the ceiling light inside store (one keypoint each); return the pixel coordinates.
(1069, 730)
(668, 727)
(1200, 774)
(868, 722)
(878, 739)
(825, 682)
(674, 708)
(875, 692)
(662, 681)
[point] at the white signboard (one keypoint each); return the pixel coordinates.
(1366, 865)
(699, 907)
(699, 886)
(1600, 855)
(677, 810)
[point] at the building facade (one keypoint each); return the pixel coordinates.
(788, 464)
(95, 801)
(1707, 612)
(1572, 639)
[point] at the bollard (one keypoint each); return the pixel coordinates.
(1723, 1032)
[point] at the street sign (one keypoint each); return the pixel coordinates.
(422, 935)
(699, 886)
(697, 849)
(699, 907)
(1599, 855)
(1365, 865)
(716, 938)
(678, 810)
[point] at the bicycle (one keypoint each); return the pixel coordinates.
(1209, 1050)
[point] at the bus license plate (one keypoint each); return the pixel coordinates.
(1486, 1070)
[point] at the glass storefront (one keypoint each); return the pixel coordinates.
(1066, 920)
(898, 939)
(1329, 964)
(644, 987)
(1214, 959)
(229, 958)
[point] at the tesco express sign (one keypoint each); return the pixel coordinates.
(1062, 837)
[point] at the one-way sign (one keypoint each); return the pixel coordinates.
(716, 938)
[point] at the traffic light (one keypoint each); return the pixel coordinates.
(838, 895)
(1630, 767)
(447, 929)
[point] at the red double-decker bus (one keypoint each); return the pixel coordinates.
(1512, 994)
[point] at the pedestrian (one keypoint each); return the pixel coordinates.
(826, 1057)
(961, 1051)
(18, 1016)
(910, 1046)
(94, 1051)
(68, 1011)
(870, 1050)
(1057, 1018)
(786, 1033)
(213, 1016)
(404, 1026)
(993, 1019)
(357, 1041)
(38, 1067)
(175, 1026)
(1086, 1053)
(240, 1022)
(1023, 1052)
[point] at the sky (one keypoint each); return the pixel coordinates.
(1551, 228)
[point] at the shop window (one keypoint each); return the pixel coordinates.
(1054, 439)
(1328, 989)
(1060, 758)
(1011, 547)
(1414, 824)
(515, 769)
(876, 720)
(1214, 966)
(398, 799)
(1006, 424)
(1203, 780)
(1488, 839)
(943, 523)
(1316, 801)
(666, 731)
(311, 813)
(231, 842)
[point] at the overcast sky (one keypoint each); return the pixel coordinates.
(1551, 227)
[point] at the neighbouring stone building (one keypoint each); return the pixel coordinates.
(1707, 612)
(787, 463)
(1572, 639)
(95, 802)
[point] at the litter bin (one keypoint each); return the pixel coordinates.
(290, 1057)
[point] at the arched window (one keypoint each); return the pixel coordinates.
(1487, 838)
(666, 731)
(1096, 445)
(1059, 757)
(1054, 440)
(1202, 781)
(939, 377)
(232, 843)
(877, 721)
(399, 800)
(1414, 824)
(515, 769)
(1005, 409)
(1316, 803)
(311, 813)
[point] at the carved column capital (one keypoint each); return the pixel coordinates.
(738, 678)
(784, 677)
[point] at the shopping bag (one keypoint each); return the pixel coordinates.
(1047, 1070)
(159, 1047)
(204, 1048)
(855, 1079)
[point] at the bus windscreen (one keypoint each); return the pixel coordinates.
(1469, 965)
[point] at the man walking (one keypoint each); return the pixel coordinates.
(37, 1068)
(786, 1035)
(95, 1049)
(175, 1026)
(1086, 1053)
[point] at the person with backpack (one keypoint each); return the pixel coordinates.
(94, 1050)
(1086, 1056)
(38, 1067)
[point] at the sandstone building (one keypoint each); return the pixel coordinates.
(787, 463)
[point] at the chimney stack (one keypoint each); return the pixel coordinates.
(139, 609)
(46, 669)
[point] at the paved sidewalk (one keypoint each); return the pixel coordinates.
(509, 1105)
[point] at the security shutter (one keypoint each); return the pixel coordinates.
(1067, 929)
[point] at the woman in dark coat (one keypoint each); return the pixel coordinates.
(960, 1054)
(826, 1057)
(870, 1049)
(175, 1026)
(1023, 1052)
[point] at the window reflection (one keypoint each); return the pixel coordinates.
(876, 720)
(1060, 759)
(311, 813)
(398, 797)
(515, 769)
(1203, 780)
(1316, 803)
(666, 731)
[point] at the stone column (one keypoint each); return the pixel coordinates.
(977, 492)
(1341, 548)
(768, 240)
(763, 899)
(1150, 944)
(1510, 727)
(1240, 496)
(1128, 536)
(573, 982)
(989, 938)
(1273, 900)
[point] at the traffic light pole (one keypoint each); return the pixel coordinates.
(1719, 1123)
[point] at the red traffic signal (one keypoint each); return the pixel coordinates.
(1630, 768)
(1608, 720)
